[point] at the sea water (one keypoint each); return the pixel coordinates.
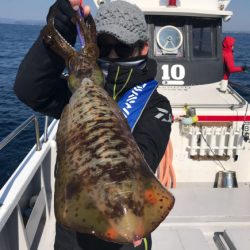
(15, 41)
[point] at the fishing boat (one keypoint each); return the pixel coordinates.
(206, 165)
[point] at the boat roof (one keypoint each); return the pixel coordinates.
(211, 8)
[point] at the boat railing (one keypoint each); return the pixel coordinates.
(26, 199)
(21, 128)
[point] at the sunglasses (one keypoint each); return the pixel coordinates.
(121, 49)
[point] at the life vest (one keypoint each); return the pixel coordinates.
(133, 102)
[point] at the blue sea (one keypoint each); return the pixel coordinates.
(15, 41)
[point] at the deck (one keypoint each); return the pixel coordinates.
(205, 218)
(201, 96)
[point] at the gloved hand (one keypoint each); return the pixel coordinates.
(62, 20)
(244, 68)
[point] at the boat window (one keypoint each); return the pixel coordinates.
(203, 38)
(168, 36)
(195, 37)
(202, 42)
(169, 39)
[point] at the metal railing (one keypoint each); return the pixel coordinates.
(20, 128)
(46, 128)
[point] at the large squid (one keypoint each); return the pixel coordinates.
(103, 184)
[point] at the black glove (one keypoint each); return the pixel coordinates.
(244, 68)
(62, 20)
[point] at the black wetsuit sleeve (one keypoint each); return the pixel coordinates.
(38, 82)
(153, 129)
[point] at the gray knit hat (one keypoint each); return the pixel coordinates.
(123, 20)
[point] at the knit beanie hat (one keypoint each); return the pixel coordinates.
(123, 20)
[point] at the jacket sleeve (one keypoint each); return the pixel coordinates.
(153, 129)
(229, 61)
(38, 83)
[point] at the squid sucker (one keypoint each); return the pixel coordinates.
(103, 185)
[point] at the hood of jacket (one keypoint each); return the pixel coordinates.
(228, 43)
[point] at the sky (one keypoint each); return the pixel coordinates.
(27, 9)
(240, 20)
(37, 10)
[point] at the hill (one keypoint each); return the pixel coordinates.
(23, 22)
